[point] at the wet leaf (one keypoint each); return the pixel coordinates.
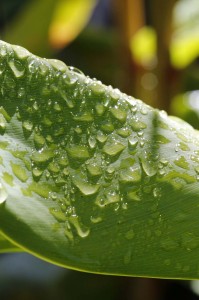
(87, 188)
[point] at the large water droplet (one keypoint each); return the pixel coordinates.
(149, 167)
(113, 148)
(44, 156)
(19, 172)
(82, 231)
(118, 114)
(85, 187)
(78, 152)
(94, 169)
(132, 174)
(17, 68)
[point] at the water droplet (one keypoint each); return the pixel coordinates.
(27, 125)
(107, 127)
(85, 187)
(101, 137)
(39, 141)
(132, 143)
(133, 195)
(100, 109)
(84, 117)
(33, 66)
(21, 92)
(183, 146)
(53, 167)
(3, 194)
(78, 152)
(57, 107)
(82, 231)
(132, 174)
(149, 167)
(119, 114)
(158, 138)
(94, 169)
(137, 125)
(52, 196)
(124, 132)
(75, 70)
(157, 192)
(92, 142)
(113, 148)
(19, 172)
(36, 172)
(17, 68)
(21, 52)
(3, 50)
(58, 214)
(43, 156)
(95, 220)
(182, 163)
(97, 87)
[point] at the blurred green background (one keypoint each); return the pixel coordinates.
(148, 49)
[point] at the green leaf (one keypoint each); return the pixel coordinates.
(92, 179)
(6, 246)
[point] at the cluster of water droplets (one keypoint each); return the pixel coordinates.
(98, 149)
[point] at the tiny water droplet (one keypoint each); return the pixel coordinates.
(157, 192)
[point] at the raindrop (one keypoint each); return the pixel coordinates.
(124, 132)
(58, 214)
(157, 192)
(100, 109)
(85, 187)
(132, 174)
(118, 114)
(97, 87)
(92, 142)
(27, 125)
(75, 70)
(17, 68)
(182, 163)
(82, 231)
(113, 148)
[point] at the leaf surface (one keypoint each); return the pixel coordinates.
(92, 179)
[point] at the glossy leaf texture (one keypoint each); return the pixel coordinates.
(6, 246)
(93, 179)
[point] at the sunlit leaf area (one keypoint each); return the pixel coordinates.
(99, 191)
